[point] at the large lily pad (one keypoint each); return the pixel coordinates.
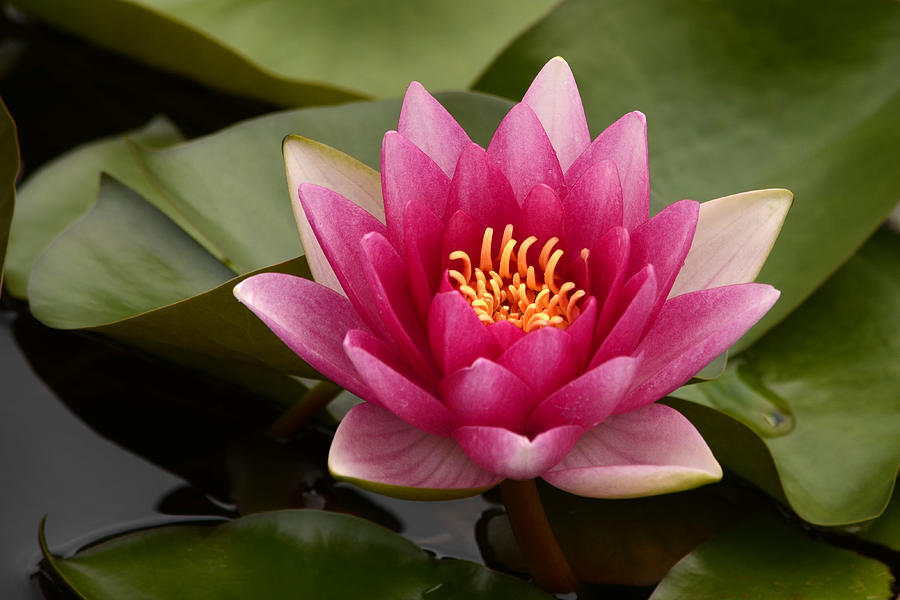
(300, 553)
(800, 95)
(765, 558)
(9, 169)
(304, 52)
(66, 188)
(816, 398)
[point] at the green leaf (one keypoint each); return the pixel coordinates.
(63, 190)
(765, 558)
(817, 396)
(286, 554)
(124, 269)
(9, 170)
(303, 52)
(742, 96)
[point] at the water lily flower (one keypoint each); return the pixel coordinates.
(514, 312)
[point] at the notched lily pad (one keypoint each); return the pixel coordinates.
(276, 555)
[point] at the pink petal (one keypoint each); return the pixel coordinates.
(664, 241)
(388, 280)
(515, 456)
(524, 152)
(339, 225)
(690, 331)
(541, 216)
(423, 234)
(639, 299)
(407, 175)
(505, 333)
(653, 450)
(733, 238)
(392, 388)
(461, 233)
(377, 451)
(308, 161)
(587, 400)
(592, 206)
(608, 262)
(488, 394)
(544, 359)
(457, 337)
(554, 98)
(481, 190)
(310, 318)
(428, 125)
(625, 143)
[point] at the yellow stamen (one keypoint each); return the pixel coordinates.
(526, 296)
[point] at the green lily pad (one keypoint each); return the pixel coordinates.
(744, 96)
(148, 283)
(765, 558)
(303, 52)
(9, 169)
(816, 398)
(298, 553)
(66, 188)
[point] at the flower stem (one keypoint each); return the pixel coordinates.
(298, 415)
(544, 557)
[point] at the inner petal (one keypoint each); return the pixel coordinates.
(519, 282)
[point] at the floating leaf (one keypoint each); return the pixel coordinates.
(765, 558)
(276, 555)
(816, 398)
(9, 169)
(745, 96)
(307, 52)
(886, 529)
(63, 190)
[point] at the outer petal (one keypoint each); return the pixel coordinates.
(587, 400)
(394, 390)
(377, 451)
(625, 143)
(308, 161)
(457, 336)
(522, 149)
(734, 236)
(428, 125)
(407, 175)
(653, 450)
(339, 225)
(690, 331)
(544, 359)
(389, 282)
(482, 191)
(310, 318)
(515, 456)
(554, 98)
(592, 206)
(488, 394)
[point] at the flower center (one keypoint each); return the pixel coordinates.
(517, 292)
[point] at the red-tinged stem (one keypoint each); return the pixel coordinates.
(544, 557)
(302, 412)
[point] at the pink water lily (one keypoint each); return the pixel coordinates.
(514, 312)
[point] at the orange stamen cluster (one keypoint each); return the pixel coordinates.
(517, 292)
